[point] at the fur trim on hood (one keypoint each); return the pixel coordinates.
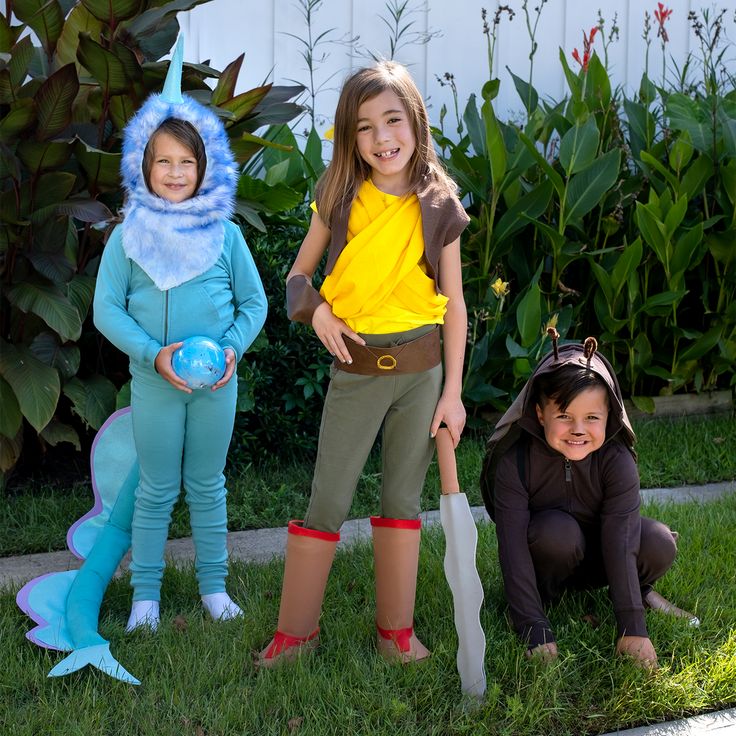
(521, 415)
(175, 241)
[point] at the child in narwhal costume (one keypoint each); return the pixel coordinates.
(561, 483)
(177, 267)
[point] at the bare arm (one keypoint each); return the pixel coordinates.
(450, 409)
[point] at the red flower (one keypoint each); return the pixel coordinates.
(661, 15)
(587, 43)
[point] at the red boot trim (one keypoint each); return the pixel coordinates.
(396, 523)
(400, 637)
(281, 642)
(296, 527)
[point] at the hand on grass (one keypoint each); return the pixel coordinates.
(640, 649)
(544, 652)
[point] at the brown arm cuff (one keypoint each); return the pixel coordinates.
(301, 299)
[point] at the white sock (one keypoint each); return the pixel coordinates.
(143, 613)
(221, 606)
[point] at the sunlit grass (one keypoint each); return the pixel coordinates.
(198, 677)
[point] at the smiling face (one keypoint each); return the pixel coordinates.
(173, 174)
(581, 428)
(386, 141)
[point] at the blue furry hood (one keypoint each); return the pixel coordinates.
(174, 242)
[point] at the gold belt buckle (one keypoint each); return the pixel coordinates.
(388, 366)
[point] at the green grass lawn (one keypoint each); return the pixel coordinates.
(198, 677)
(671, 453)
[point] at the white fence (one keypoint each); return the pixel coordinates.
(268, 32)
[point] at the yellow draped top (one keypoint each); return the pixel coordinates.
(377, 284)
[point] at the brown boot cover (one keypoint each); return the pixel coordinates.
(309, 555)
(396, 556)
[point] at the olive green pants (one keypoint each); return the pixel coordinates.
(356, 409)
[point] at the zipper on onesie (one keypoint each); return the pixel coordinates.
(568, 471)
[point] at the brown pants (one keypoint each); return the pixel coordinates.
(567, 556)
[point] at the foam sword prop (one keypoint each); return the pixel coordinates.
(461, 539)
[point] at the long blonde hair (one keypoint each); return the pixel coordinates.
(341, 180)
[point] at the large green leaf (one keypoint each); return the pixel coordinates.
(531, 205)
(8, 34)
(45, 17)
(579, 146)
(10, 449)
(93, 399)
(54, 102)
(35, 385)
(79, 20)
(597, 83)
(111, 12)
(225, 88)
(80, 292)
(527, 93)
(55, 432)
(529, 315)
(52, 188)
(48, 254)
(627, 263)
(153, 19)
(65, 358)
(587, 188)
(40, 156)
(85, 209)
(276, 198)
(50, 304)
(696, 176)
(21, 115)
(495, 144)
(685, 113)
(122, 108)
(103, 65)
(22, 54)
(641, 126)
(703, 345)
(10, 416)
(102, 168)
(243, 104)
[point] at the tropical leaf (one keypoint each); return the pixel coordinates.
(49, 350)
(45, 17)
(41, 156)
(54, 102)
(50, 304)
(111, 12)
(93, 399)
(579, 146)
(11, 417)
(55, 432)
(79, 20)
(225, 88)
(35, 385)
(22, 115)
(103, 65)
(586, 189)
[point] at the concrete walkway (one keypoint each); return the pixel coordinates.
(262, 545)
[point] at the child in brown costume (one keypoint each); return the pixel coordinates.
(561, 483)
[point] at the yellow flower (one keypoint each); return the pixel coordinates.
(329, 134)
(500, 288)
(551, 323)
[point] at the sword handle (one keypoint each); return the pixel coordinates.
(446, 461)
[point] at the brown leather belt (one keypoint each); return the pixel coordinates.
(414, 356)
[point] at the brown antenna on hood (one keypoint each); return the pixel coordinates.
(554, 336)
(589, 347)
